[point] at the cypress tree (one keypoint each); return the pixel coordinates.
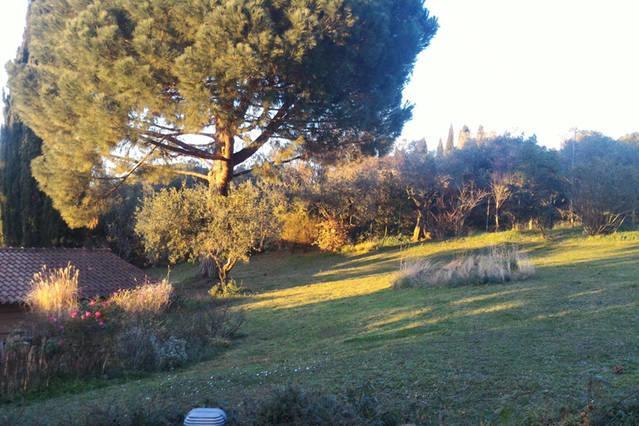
(450, 142)
(440, 148)
(481, 134)
(464, 137)
(421, 146)
(27, 217)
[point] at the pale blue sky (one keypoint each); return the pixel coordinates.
(542, 66)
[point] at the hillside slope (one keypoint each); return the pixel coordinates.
(494, 353)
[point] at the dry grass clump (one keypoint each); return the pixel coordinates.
(498, 265)
(54, 291)
(150, 298)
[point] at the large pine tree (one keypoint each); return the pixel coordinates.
(127, 87)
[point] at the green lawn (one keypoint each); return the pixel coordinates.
(332, 323)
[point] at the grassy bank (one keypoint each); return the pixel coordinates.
(332, 323)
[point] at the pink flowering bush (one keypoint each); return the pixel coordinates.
(106, 338)
(81, 338)
(76, 342)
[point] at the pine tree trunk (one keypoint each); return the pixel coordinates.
(221, 173)
(220, 177)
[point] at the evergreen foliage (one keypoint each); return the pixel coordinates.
(124, 87)
(193, 224)
(440, 149)
(450, 141)
(464, 137)
(27, 216)
(603, 177)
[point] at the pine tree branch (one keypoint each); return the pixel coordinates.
(201, 176)
(272, 127)
(178, 147)
(130, 172)
(279, 163)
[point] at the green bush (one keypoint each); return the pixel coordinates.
(101, 339)
(294, 406)
(145, 343)
(231, 289)
(206, 330)
(195, 223)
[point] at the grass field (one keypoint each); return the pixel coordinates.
(506, 353)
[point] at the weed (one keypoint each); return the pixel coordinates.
(150, 298)
(498, 265)
(54, 291)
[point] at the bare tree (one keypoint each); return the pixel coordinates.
(502, 187)
(453, 206)
(422, 200)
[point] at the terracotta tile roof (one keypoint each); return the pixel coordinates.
(101, 272)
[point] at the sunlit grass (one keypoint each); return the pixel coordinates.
(149, 298)
(54, 291)
(465, 354)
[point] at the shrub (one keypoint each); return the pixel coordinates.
(55, 291)
(195, 223)
(77, 343)
(499, 265)
(231, 289)
(295, 406)
(332, 235)
(143, 346)
(207, 326)
(170, 353)
(299, 227)
(135, 347)
(366, 246)
(145, 299)
(110, 337)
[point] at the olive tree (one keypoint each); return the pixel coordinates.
(603, 176)
(192, 224)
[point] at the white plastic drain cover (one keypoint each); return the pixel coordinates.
(205, 417)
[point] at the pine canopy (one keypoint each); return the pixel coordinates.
(135, 87)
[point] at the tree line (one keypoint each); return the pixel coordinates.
(490, 183)
(487, 183)
(144, 109)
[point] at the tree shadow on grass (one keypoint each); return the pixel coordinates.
(269, 273)
(265, 274)
(467, 348)
(556, 292)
